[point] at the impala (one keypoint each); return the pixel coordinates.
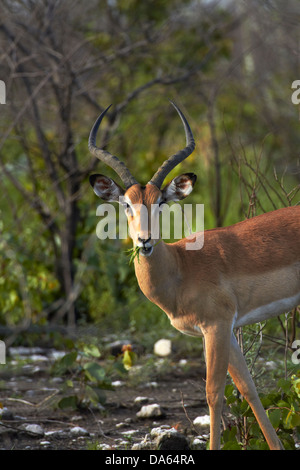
(245, 273)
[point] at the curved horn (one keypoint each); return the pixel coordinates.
(178, 157)
(106, 157)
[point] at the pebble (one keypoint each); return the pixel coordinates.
(199, 444)
(35, 429)
(163, 438)
(78, 431)
(150, 411)
(117, 383)
(122, 425)
(202, 423)
(45, 443)
(183, 362)
(58, 434)
(141, 400)
(151, 385)
(155, 432)
(130, 432)
(163, 347)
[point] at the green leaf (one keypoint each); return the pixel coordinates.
(283, 404)
(288, 421)
(68, 402)
(245, 407)
(94, 371)
(285, 385)
(230, 440)
(229, 434)
(296, 385)
(234, 445)
(295, 420)
(95, 395)
(229, 389)
(65, 363)
(274, 417)
(231, 399)
(91, 350)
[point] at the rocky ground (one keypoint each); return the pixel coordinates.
(158, 412)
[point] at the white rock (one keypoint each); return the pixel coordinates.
(57, 380)
(121, 425)
(78, 431)
(34, 429)
(202, 423)
(105, 446)
(141, 400)
(55, 355)
(155, 432)
(199, 444)
(138, 446)
(38, 358)
(45, 443)
(57, 434)
(117, 383)
(24, 351)
(150, 411)
(130, 432)
(151, 385)
(163, 347)
(163, 437)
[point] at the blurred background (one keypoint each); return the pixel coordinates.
(229, 66)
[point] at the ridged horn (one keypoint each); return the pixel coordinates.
(178, 157)
(107, 158)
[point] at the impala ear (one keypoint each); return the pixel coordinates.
(179, 188)
(106, 188)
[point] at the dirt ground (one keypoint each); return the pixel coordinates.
(27, 399)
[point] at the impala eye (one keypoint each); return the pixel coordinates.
(128, 210)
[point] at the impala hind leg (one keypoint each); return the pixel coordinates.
(217, 347)
(243, 380)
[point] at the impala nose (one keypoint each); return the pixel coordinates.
(146, 248)
(143, 240)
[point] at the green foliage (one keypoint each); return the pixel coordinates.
(86, 379)
(134, 253)
(25, 286)
(282, 407)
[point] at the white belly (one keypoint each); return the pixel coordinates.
(267, 311)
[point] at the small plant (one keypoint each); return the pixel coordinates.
(133, 253)
(86, 378)
(283, 410)
(128, 356)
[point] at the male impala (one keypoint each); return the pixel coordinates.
(244, 273)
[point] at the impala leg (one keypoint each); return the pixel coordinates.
(217, 346)
(243, 380)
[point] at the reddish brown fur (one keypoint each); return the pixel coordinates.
(235, 264)
(244, 273)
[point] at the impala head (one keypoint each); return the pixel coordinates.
(142, 203)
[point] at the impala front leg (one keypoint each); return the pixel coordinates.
(217, 347)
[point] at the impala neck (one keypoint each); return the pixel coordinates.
(157, 275)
